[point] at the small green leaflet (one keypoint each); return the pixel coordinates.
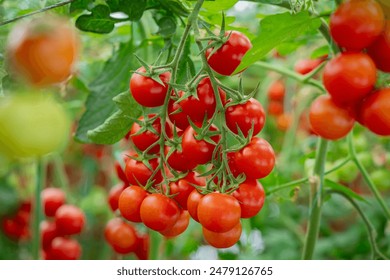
(275, 30)
(337, 187)
(219, 5)
(98, 21)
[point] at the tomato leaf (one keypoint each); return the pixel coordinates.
(80, 5)
(219, 5)
(275, 30)
(320, 52)
(98, 21)
(337, 187)
(280, 3)
(134, 9)
(186, 65)
(8, 198)
(167, 26)
(112, 80)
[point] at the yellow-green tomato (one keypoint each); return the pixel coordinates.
(31, 125)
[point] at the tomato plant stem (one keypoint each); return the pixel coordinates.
(367, 177)
(40, 180)
(155, 240)
(316, 192)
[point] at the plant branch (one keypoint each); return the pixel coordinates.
(39, 182)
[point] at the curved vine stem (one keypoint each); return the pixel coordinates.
(370, 228)
(39, 182)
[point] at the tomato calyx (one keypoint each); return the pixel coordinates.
(152, 72)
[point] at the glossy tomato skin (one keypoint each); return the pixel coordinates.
(250, 195)
(69, 220)
(375, 112)
(113, 196)
(138, 173)
(305, 66)
(195, 108)
(356, 24)
(120, 173)
(219, 212)
(256, 160)
(179, 227)
(159, 212)
(199, 151)
(178, 161)
(43, 51)
(63, 248)
(223, 239)
(48, 233)
(121, 236)
(193, 202)
(52, 199)
(349, 77)
(183, 188)
(276, 91)
(130, 202)
(329, 120)
(148, 92)
(143, 247)
(379, 51)
(226, 59)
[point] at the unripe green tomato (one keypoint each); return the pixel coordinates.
(381, 178)
(95, 203)
(365, 159)
(348, 172)
(31, 125)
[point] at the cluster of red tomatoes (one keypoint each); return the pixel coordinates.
(64, 220)
(164, 186)
(361, 31)
(276, 94)
(17, 226)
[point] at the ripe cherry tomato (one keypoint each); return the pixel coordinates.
(14, 229)
(379, 51)
(143, 246)
(159, 212)
(48, 233)
(250, 195)
(375, 112)
(178, 161)
(130, 202)
(219, 212)
(113, 196)
(283, 121)
(199, 151)
(195, 108)
(193, 202)
(121, 236)
(275, 108)
(63, 248)
(147, 91)
(147, 138)
(43, 51)
(349, 77)
(276, 91)
(179, 227)
(183, 188)
(120, 173)
(138, 173)
(245, 116)
(329, 120)
(256, 160)
(305, 66)
(356, 24)
(227, 58)
(52, 199)
(223, 239)
(69, 220)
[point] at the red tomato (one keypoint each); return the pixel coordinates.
(48, 233)
(63, 248)
(121, 173)
(227, 58)
(178, 161)
(113, 196)
(138, 173)
(275, 108)
(245, 116)
(195, 108)
(69, 220)
(329, 120)
(356, 24)
(14, 230)
(276, 91)
(375, 112)
(251, 196)
(193, 202)
(199, 151)
(183, 187)
(305, 66)
(379, 51)
(121, 236)
(52, 199)
(223, 239)
(159, 212)
(349, 77)
(130, 202)
(147, 138)
(219, 212)
(179, 227)
(283, 121)
(143, 246)
(256, 160)
(147, 91)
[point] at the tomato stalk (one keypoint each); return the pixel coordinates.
(38, 214)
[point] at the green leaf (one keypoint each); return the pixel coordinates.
(186, 65)
(134, 9)
(281, 3)
(319, 52)
(80, 5)
(112, 80)
(167, 26)
(275, 30)
(219, 5)
(98, 21)
(8, 198)
(337, 187)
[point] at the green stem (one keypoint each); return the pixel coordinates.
(370, 228)
(316, 193)
(367, 177)
(37, 12)
(155, 240)
(38, 215)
